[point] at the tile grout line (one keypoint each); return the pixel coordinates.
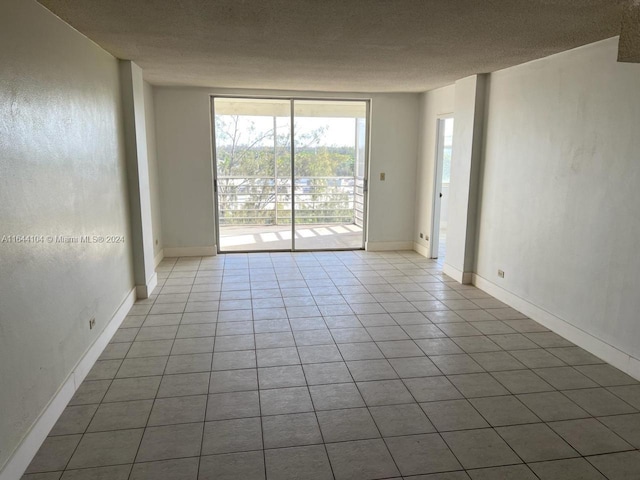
(153, 403)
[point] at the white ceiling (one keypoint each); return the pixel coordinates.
(335, 45)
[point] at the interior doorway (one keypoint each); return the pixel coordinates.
(275, 194)
(441, 187)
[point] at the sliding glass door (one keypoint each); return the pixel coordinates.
(328, 184)
(253, 174)
(272, 195)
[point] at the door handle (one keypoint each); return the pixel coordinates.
(440, 194)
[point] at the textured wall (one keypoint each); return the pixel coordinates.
(62, 172)
(183, 139)
(154, 175)
(433, 104)
(465, 168)
(135, 136)
(560, 199)
(629, 46)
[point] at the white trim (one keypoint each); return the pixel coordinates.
(189, 251)
(434, 234)
(31, 442)
(465, 278)
(386, 246)
(606, 352)
(158, 258)
(421, 249)
(143, 291)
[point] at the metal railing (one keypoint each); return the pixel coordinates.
(254, 200)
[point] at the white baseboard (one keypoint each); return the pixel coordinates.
(158, 258)
(31, 442)
(466, 278)
(422, 249)
(143, 291)
(591, 343)
(190, 251)
(386, 246)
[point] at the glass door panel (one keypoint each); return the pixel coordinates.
(253, 174)
(329, 173)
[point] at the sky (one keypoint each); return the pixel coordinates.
(339, 131)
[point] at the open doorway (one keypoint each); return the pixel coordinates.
(441, 188)
(275, 194)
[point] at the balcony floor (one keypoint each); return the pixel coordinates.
(242, 238)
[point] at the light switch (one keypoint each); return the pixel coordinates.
(382, 176)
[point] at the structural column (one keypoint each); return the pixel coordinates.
(132, 90)
(629, 42)
(465, 177)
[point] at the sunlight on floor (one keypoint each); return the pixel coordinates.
(278, 237)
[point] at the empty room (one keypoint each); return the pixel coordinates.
(302, 240)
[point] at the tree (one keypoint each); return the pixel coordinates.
(254, 174)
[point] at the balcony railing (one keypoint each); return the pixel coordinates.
(253, 200)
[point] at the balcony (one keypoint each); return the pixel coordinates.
(255, 213)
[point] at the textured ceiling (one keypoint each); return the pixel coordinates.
(335, 45)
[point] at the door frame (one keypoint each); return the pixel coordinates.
(291, 100)
(434, 238)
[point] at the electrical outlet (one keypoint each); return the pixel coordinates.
(500, 273)
(421, 235)
(382, 176)
(92, 323)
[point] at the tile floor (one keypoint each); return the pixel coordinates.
(346, 365)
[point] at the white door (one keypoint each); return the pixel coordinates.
(441, 187)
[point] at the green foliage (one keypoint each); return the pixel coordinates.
(254, 175)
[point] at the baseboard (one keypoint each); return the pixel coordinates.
(422, 250)
(593, 344)
(31, 442)
(189, 251)
(466, 278)
(143, 291)
(386, 246)
(158, 258)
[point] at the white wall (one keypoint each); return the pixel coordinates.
(154, 175)
(394, 150)
(433, 104)
(183, 142)
(62, 172)
(135, 134)
(560, 197)
(183, 131)
(466, 158)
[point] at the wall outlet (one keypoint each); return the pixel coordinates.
(92, 323)
(382, 176)
(500, 273)
(421, 235)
